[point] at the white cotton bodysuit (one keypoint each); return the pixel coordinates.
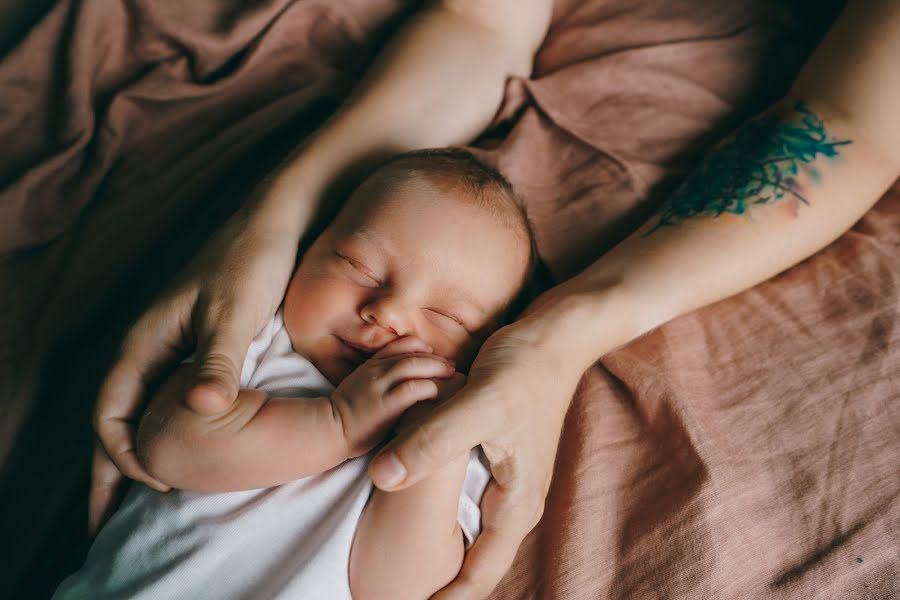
(291, 541)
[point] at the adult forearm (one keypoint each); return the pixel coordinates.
(438, 82)
(782, 187)
(786, 185)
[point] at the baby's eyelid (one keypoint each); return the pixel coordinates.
(448, 315)
(359, 267)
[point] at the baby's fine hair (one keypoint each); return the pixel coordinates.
(457, 168)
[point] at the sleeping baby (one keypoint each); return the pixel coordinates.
(272, 499)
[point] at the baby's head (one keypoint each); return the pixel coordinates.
(434, 244)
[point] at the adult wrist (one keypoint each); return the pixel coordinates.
(293, 195)
(580, 324)
(283, 205)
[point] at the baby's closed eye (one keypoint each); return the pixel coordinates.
(358, 271)
(443, 317)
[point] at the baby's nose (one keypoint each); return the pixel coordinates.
(389, 313)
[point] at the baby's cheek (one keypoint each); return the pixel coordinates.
(312, 303)
(459, 348)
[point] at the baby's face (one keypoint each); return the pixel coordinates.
(418, 261)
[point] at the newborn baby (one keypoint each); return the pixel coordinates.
(388, 305)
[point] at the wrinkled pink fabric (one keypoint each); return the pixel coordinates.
(746, 450)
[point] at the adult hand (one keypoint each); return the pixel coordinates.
(513, 404)
(205, 309)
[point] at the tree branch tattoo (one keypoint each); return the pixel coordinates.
(759, 164)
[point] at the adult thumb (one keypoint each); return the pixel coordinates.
(455, 427)
(217, 368)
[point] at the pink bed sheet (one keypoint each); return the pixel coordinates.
(747, 450)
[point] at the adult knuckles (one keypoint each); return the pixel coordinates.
(536, 513)
(527, 509)
(518, 504)
(217, 367)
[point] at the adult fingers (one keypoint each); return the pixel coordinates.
(106, 483)
(506, 522)
(151, 343)
(221, 348)
(453, 428)
(117, 437)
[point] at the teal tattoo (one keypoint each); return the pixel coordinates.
(759, 164)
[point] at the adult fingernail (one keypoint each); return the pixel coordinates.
(388, 471)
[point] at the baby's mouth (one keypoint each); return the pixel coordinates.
(356, 353)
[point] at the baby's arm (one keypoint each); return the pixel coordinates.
(263, 441)
(409, 543)
(259, 442)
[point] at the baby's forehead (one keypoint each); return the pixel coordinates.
(435, 225)
(432, 224)
(490, 204)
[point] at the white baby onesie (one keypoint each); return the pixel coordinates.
(291, 541)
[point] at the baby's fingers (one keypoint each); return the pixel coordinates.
(416, 366)
(408, 393)
(405, 345)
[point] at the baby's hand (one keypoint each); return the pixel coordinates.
(371, 399)
(418, 411)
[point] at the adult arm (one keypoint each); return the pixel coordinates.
(780, 189)
(438, 82)
(687, 256)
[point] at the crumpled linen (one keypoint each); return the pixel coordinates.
(746, 450)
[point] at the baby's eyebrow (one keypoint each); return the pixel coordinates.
(367, 237)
